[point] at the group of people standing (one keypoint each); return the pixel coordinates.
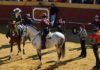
(94, 40)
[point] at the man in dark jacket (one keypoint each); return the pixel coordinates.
(53, 14)
(96, 22)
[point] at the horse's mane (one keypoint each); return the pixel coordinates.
(33, 28)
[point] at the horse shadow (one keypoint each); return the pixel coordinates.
(54, 66)
(5, 46)
(35, 57)
(4, 59)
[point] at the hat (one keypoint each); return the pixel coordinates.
(17, 10)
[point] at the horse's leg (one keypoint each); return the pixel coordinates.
(39, 55)
(18, 52)
(23, 47)
(11, 51)
(58, 48)
(19, 49)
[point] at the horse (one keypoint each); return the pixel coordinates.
(15, 38)
(56, 39)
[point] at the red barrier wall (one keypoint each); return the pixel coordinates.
(70, 14)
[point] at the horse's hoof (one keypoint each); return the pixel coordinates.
(57, 63)
(17, 54)
(38, 67)
(22, 58)
(10, 57)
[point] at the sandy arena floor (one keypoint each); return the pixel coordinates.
(70, 62)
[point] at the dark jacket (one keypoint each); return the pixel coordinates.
(14, 18)
(96, 24)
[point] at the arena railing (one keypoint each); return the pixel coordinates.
(63, 1)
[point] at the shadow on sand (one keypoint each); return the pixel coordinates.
(4, 46)
(35, 57)
(54, 66)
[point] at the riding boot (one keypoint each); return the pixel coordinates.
(8, 33)
(43, 42)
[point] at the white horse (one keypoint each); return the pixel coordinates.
(56, 39)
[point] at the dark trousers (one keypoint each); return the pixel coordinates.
(83, 48)
(59, 28)
(43, 37)
(96, 54)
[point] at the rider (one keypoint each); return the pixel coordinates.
(16, 19)
(16, 16)
(45, 29)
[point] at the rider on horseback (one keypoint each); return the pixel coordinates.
(45, 29)
(16, 19)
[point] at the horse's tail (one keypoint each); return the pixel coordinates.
(63, 50)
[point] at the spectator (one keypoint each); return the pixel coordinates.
(53, 14)
(95, 42)
(96, 22)
(83, 36)
(60, 25)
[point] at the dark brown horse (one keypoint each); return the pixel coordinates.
(15, 38)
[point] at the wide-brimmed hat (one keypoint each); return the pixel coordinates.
(17, 10)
